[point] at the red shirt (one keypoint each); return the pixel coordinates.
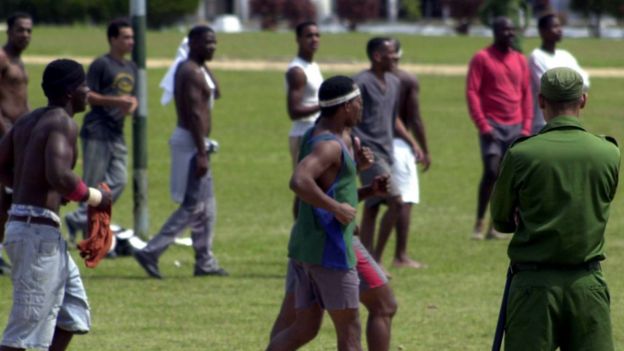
(498, 89)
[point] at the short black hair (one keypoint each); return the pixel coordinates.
(374, 45)
(199, 30)
(332, 88)
(15, 16)
(115, 25)
(62, 76)
(544, 21)
(302, 26)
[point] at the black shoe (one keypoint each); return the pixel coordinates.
(219, 272)
(149, 265)
(5, 268)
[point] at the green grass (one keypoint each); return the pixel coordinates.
(452, 305)
(91, 41)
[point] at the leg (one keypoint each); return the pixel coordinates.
(381, 306)
(117, 175)
(202, 230)
(387, 224)
(6, 348)
(286, 316)
(96, 158)
(491, 164)
(306, 326)
(367, 228)
(61, 340)
(347, 325)
(5, 204)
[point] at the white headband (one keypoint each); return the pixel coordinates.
(341, 99)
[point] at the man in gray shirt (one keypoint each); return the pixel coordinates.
(379, 125)
(111, 79)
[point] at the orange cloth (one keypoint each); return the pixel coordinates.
(100, 238)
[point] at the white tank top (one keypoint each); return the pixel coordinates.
(314, 78)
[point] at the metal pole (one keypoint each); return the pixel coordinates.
(139, 122)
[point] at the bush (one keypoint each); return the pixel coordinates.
(463, 12)
(357, 11)
(269, 12)
(297, 11)
(410, 10)
(159, 12)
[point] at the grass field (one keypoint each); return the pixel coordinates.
(452, 305)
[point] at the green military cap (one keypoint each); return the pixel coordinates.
(561, 84)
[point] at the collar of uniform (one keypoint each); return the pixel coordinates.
(563, 121)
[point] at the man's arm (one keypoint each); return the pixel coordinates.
(401, 132)
(473, 86)
(59, 156)
(416, 124)
(305, 180)
(194, 99)
(126, 103)
(6, 159)
(504, 201)
(527, 99)
(296, 82)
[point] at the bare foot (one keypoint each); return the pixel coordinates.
(385, 271)
(477, 232)
(409, 263)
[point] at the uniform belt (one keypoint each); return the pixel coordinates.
(586, 266)
(34, 220)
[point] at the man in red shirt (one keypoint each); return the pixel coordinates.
(500, 104)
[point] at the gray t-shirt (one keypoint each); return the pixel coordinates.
(376, 130)
(110, 77)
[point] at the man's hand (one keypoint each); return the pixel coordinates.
(380, 186)
(488, 136)
(364, 157)
(425, 161)
(107, 198)
(345, 213)
(201, 165)
(127, 104)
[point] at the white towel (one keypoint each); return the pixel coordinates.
(167, 83)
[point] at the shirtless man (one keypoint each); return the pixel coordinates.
(194, 97)
(36, 160)
(13, 95)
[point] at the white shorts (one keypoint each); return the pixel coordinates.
(404, 172)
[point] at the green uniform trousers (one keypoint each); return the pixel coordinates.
(568, 309)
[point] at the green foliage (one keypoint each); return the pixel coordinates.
(159, 12)
(599, 7)
(452, 305)
(410, 10)
(357, 11)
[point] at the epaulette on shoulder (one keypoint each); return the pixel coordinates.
(521, 139)
(610, 139)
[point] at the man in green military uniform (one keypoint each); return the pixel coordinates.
(518, 11)
(554, 192)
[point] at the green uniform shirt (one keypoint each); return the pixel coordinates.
(561, 183)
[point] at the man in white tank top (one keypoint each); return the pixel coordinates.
(303, 80)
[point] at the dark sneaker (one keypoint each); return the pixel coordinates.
(149, 265)
(219, 272)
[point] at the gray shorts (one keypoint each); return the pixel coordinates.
(332, 289)
(47, 289)
(369, 272)
(504, 136)
(379, 168)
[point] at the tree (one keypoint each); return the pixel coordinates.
(463, 12)
(269, 11)
(297, 11)
(595, 9)
(357, 11)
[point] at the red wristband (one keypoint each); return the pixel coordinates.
(80, 192)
